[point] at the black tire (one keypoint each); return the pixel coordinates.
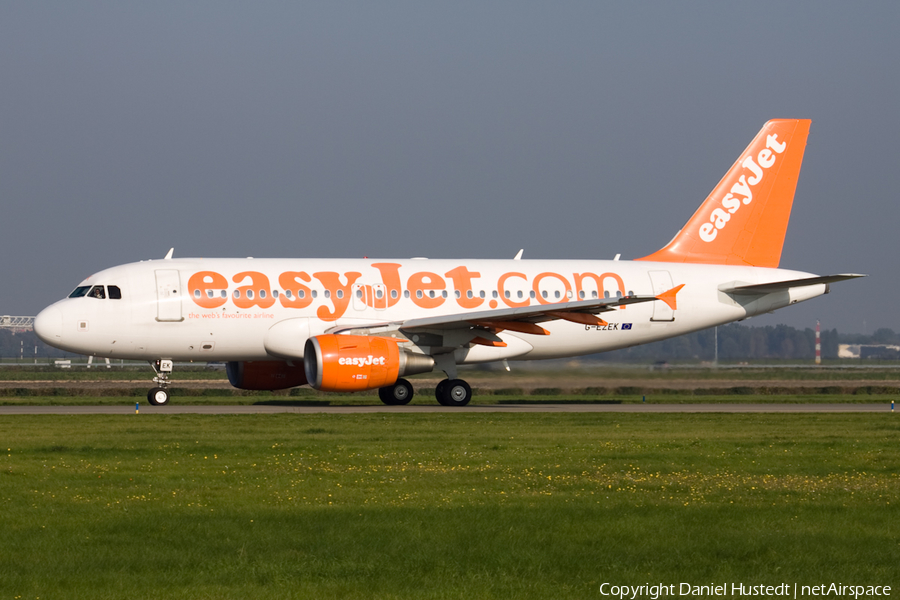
(455, 392)
(440, 392)
(158, 396)
(398, 394)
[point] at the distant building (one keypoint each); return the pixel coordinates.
(879, 351)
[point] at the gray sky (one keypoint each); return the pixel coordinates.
(397, 129)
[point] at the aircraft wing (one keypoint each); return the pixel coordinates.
(580, 311)
(522, 320)
(768, 288)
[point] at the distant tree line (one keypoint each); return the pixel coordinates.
(736, 342)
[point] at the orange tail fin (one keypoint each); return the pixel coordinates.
(744, 219)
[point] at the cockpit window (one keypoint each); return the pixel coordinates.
(97, 292)
(80, 291)
(114, 292)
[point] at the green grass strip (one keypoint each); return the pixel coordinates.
(442, 505)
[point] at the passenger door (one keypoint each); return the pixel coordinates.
(168, 295)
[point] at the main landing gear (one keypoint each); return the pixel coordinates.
(398, 394)
(449, 392)
(453, 392)
(159, 396)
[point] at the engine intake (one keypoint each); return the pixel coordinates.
(351, 363)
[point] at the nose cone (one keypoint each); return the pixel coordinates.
(48, 325)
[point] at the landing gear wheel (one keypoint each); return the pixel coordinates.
(398, 394)
(453, 392)
(158, 396)
(440, 392)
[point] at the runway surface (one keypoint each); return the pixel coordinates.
(175, 409)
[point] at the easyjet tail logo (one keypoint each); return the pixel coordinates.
(741, 193)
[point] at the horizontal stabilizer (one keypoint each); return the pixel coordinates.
(768, 288)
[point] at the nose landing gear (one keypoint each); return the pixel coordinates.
(159, 396)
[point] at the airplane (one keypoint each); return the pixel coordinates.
(346, 325)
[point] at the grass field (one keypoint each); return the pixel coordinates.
(442, 505)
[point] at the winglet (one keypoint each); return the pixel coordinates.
(669, 297)
(745, 217)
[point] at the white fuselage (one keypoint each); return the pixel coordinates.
(265, 309)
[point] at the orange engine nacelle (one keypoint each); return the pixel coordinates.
(351, 363)
(265, 374)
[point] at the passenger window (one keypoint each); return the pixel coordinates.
(114, 292)
(80, 291)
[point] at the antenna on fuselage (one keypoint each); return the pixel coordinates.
(169, 254)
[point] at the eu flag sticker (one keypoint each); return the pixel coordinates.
(626, 326)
